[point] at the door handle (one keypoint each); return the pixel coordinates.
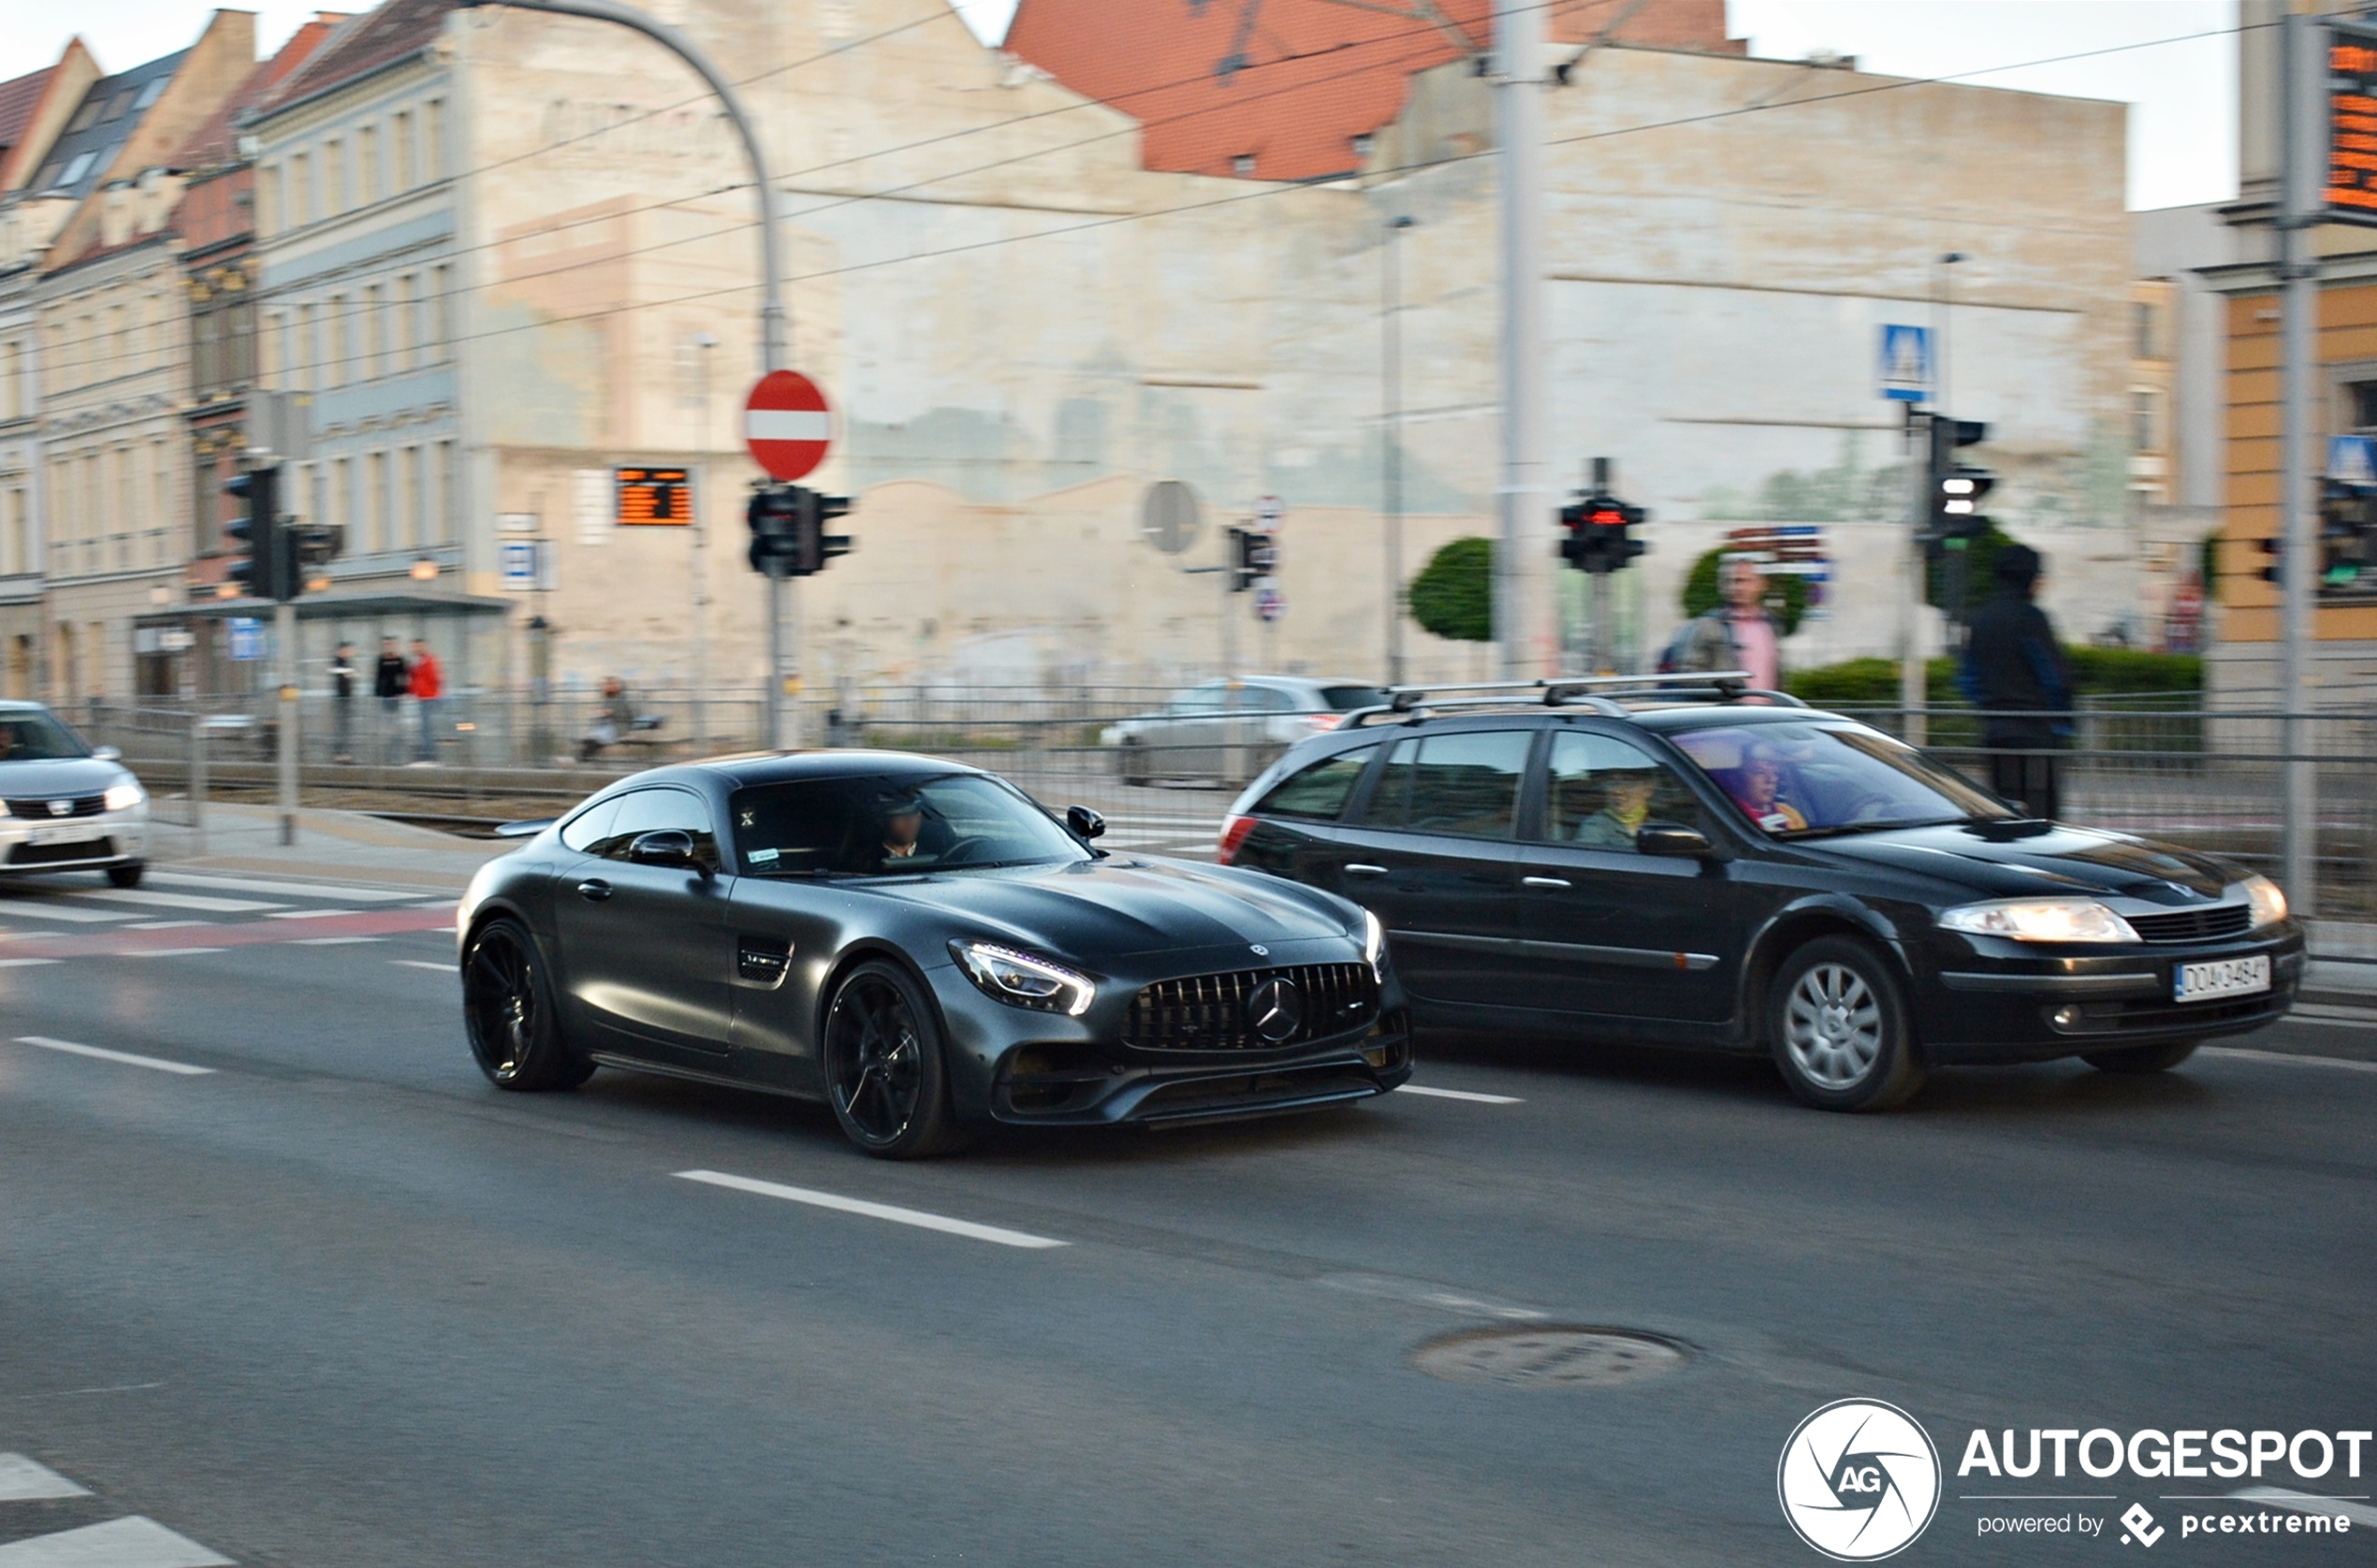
(595, 889)
(1358, 869)
(1543, 882)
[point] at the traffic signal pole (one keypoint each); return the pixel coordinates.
(285, 663)
(1526, 635)
(2302, 79)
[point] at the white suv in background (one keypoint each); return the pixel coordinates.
(65, 807)
(1258, 716)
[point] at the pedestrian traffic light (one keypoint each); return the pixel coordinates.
(1250, 558)
(1957, 488)
(813, 546)
(1599, 533)
(266, 565)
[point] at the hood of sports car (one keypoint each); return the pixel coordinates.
(1122, 906)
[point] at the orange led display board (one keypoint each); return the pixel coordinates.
(649, 497)
(2351, 196)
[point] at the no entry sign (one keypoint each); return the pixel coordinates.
(787, 423)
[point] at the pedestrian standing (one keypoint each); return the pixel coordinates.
(1738, 634)
(391, 681)
(343, 701)
(2016, 673)
(428, 695)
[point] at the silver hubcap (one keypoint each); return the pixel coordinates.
(1832, 1026)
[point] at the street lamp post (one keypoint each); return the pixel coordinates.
(1391, 349)
(703, 343)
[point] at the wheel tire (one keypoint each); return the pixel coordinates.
(1836, 1022)
(886, 1075)
(127, 875)
(1134, 765)
(507, 1008)
(2137, 1059)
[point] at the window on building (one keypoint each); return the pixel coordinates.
(205, 345)
(153, 91)
(239, 341)
(401, 147)
(439, 346)
(207, 503)
(2145, 421)
(371, 341)
(404, 502)
(77, 168)
(304, 361)
(2363, 401)
(434, 139)
(18, 541)
(87, 114)
(2147, 319)
(336, 327)
(333, 178)
(376, 501)
(338, 501)
(12, 396)
(367, 164)
(401, 322)
(301, 191)
(440, 524)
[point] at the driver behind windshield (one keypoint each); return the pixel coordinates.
(903, 826)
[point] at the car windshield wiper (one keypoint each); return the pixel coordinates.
(1839, 829)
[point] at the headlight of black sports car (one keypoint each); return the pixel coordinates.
(1021, 980)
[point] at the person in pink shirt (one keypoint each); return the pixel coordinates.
(1738, 634)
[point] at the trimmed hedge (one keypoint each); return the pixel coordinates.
(2095, 672)
(1453, 594)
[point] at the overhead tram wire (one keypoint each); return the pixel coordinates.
(1269, 189)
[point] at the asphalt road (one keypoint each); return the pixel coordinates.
(333, 1302)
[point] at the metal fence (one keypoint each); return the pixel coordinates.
(2168, 768)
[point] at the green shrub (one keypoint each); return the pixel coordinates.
(1453, 594)
(1785, 592)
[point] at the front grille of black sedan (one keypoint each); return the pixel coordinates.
(84, 805)
(2195, 925)
(1208, 1012)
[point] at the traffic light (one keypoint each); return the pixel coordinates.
(267, 568)
(1957, 488)
(2274, 573)
(813, 546)
(788, 530)
(1600, 529)
(316, 545)
(1250, 554)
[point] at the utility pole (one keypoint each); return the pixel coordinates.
(1526, 634)
(1912, 688)
(2302, 79)
(703, 345)
(775, 322)
(284, 661)
(1391, 348)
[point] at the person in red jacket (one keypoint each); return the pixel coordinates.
(428, 693)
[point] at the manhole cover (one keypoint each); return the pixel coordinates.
(1542, 1357)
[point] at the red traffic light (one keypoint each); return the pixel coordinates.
(1607, 516)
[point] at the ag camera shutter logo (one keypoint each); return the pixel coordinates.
(1859, 1480)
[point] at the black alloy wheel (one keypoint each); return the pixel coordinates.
(127, 874)
(2137, 1059)
(1836, 1022)
(883, 1068)
(508, 1009)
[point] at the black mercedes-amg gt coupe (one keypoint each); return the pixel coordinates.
(921, 945)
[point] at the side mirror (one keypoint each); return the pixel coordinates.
(1085, 822)
(107, 754)
(666, 847)
(1673, 841)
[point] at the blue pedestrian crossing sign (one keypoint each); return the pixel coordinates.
(247, 637)
(1907, 363)
(2352, 460)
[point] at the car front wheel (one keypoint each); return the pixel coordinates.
(884, 1072)
(1836, 1021)
(2142, 1058)
(508, 1007)
(127, 874)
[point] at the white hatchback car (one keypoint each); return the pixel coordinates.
(1254, 716)
(64, 806)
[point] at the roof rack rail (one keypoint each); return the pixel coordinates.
(1598, 692)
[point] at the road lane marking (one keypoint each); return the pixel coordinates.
(422, 964)
(178, 901)
(294, 890)
(27, 962)
(896, 1214)
(333, 941)
(168, 952)
(60, 909)
(104, 1055)
(164, 924)
(24, 1480)
(311, 914)
(1459, 1095)
(2289, 1058)
(2318, 1021)
(128, 1543)
(2305, 1503)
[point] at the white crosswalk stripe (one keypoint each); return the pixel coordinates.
(176, 901)
(290, 889)
(127, 1542)
(58, 908)
(24, 1480)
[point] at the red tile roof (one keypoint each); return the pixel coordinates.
(1291, 82)
(18, 100)
(363, 44)
(216, 141)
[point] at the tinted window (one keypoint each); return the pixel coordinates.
(591, 826)
(653, 810)
(1814, 776)
(1465, 784)
(1319, 790)
(1602, 789)
(1345, 699)
(1265, 699)
(32, 736)
(1198, 699)
(893, 824)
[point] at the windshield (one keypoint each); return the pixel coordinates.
(1802, 779)
(1345, 699)
(878, 824)
(37, 737)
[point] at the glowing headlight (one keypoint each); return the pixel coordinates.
(1021, 980)
(124, 797)
(4, 808)
(2267, 899)
(2041, 920)
(1374, 944)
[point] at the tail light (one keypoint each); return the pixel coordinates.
(1233, 832)
(1321, 722)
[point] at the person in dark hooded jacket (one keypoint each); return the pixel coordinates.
(2015, 673)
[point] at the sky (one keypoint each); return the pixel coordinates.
(2183, 147)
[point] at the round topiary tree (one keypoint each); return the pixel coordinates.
(1453, 594)
(1785, 592)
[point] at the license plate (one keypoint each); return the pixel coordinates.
(61, 836)
(2221, 977)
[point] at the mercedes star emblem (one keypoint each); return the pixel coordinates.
(1274, 1010)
